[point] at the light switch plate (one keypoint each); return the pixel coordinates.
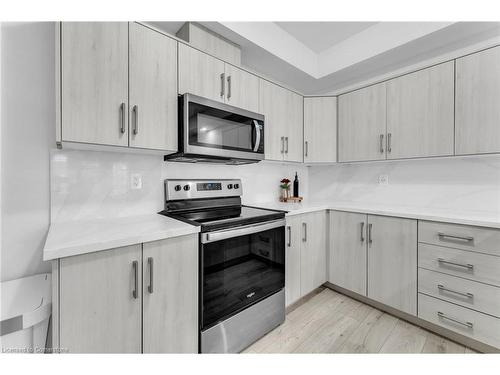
(383, 179)
(136, 181)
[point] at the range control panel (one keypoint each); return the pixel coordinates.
(196, 189)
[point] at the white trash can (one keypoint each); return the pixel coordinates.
(25, 311)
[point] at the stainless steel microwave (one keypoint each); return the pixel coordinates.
(210, 131)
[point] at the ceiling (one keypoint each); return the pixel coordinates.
(323, 57)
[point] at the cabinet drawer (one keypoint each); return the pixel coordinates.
(473, 324)
(473, 266)
(481, 297)
(483, 240)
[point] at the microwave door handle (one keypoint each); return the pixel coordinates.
(257, 137)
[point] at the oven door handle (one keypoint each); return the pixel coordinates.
(258, 130)
(240, 231)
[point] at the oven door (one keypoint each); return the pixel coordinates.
(217, 129)
(240, 267)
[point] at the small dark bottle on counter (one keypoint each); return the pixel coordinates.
(296, 186)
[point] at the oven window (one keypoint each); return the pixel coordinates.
(240, 271)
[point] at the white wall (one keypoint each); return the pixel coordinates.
(463, 184)
(27, 117)
(91, 184)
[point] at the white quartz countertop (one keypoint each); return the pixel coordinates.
(483, 219)
(85, 236)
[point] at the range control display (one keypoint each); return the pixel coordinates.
(207, 186)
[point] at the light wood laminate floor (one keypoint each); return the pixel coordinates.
(330, 322)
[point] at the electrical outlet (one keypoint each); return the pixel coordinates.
(136, 181)
(383, 179)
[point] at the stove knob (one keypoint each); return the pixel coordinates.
(187, 187)
(236, 186)
(177, 187)
(229, 186)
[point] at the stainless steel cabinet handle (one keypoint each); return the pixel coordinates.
(289, 228)
(135, 111)
(362, 232)
(228, 87)
(135, 267)
(304, 225)
(122, 118)
(222, 85)
(381, 143)
(150, 265)
(444, 289)
(389, 139)
(370, 233)
(466, 324)
(455, 237)
(444, 261)
(306, 148)
(286, 149)
(282, 145)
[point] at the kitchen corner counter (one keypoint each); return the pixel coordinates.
(86, 236)
(481, 219)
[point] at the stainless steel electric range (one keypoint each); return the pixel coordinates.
(241, 258)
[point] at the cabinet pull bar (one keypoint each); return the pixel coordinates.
(362, 232)
(444, 289)
(442, 236)
(307, 148)
(466, 324)
(122, 118)
(304, 225)
(381, 143)
(370, 233)
(228, 87)
(222, 85)
(135, 267)
(389, 139)
(282, 145)
(444, 261)
(289, 228)
(286, 149)
(150, 265)
(135, 111)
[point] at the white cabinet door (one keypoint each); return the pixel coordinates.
(320, 129)
(100, 301)
(477, 109)
(313, 251)
(170, 315)
(294, 127)
(392, 262)
(153, 89)
(362, 124)
(200, 74)
(94, 82)
(273, 105)
(347, 260)
(420, 113)
(242, 89)
(292, 259)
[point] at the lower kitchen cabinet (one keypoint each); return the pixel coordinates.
(305, 254)
(170, 301)
(140, 298)
(392, 262)
(100, 301)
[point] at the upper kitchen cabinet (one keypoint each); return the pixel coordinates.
(200, 74)
(94, 82)
(362, 124)
(420, 113)
(153, 89)
(477, 111)
(242, 88)
(283, 112)
(320, 129)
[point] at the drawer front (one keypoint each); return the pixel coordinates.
(473, 266)
(483, 240)
(481, 297)
(473, 324)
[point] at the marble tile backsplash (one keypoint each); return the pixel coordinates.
(93, 184)
(462, 184)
